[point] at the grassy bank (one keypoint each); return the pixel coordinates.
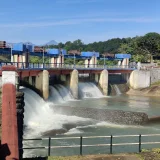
(153, 154)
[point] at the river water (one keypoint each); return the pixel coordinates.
(41, 116)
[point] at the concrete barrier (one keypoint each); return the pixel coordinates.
(42, 83)
(74, 83)
(103, 82)
(139, 79)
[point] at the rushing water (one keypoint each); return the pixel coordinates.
(117, 89)
(41, 116)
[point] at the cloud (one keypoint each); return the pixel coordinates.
(79, 21)
(84, 15)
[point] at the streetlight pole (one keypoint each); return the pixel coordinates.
(11, 51)
(104, 61)
(43, 55)
(74, 59)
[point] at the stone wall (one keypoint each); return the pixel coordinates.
(155, 75)
(20, 110)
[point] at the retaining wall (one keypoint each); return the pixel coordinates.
(155, 75)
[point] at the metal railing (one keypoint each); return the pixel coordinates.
(139, 142)
(22, 65)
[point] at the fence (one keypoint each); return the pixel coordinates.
(82, 139)
(23, 65)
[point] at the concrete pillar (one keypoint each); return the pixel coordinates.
(55, 62)
(20, 60)
(140, 79)
(38, 82)
(103, 82)
(60, 60)
(15, 58)
(9, 138)
(119, 63)
(12, 58)
(42, 83)
(45, 86)
(52, 62)
(24, 60)
(93, 62)
(125, 62)
(86, 63)
(74, 83)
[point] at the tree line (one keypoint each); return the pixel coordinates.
(142, 48)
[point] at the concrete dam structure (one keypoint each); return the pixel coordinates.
(41, 82)
(69, 84)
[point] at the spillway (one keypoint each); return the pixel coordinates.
(89, 90)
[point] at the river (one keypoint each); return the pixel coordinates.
(41, 116)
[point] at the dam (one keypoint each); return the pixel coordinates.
(62, 113)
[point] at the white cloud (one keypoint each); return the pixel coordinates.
(87, 14)
(78, 21)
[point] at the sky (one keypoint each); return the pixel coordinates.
(40, 21)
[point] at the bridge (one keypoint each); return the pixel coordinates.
(31, 69)
(39, 76)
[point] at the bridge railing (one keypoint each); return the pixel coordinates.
(22, 65)
(113, 141)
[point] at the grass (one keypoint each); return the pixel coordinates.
(67, 158)
(153, 154)
(155, 84)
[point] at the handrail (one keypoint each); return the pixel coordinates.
(23, 65)
(80, 145)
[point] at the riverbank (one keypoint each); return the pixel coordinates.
(154, 154)
(150, 91)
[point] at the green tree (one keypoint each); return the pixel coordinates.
(150, 43)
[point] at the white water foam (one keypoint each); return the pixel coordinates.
(74, 131)
(89, 90)
(40, 117)
(54, 95)
(118, 92)
(64, 92)
(110, 125)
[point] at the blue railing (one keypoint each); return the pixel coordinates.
(22, 65)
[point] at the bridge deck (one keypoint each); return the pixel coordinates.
(32, 69)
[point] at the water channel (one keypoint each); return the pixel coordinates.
(41, 117)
